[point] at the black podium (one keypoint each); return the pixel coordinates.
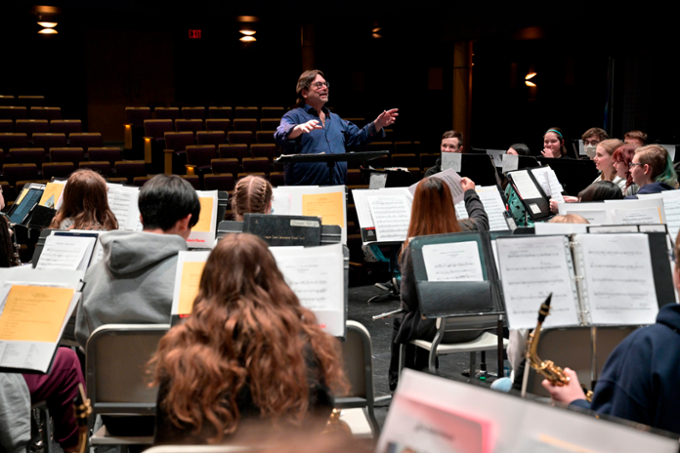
(329, 159)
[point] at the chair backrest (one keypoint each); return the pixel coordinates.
(116, 358)
(357, 353)
(193, 112)
(571, 347)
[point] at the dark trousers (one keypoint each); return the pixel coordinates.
(58, 389)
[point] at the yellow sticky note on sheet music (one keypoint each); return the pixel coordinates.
(34, 313)
(328, 206)
(204, 219)
(191, 278)
(51, 194)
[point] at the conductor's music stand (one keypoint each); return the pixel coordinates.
(329, 159)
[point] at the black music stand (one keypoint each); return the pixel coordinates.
(329, 159)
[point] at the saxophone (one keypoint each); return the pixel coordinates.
(82, 410)
(547, 368)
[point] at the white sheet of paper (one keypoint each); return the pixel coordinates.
(510, 162)
(545, 228)
(377, 180)
(452, 179)
(598, 229)
(640, 204)
(497, 155)
(549, 183)
(391, 216)
(636, 216)
(531, 268)
(619, 279)
(316, 276)
(363, 209)
(494, 207)
(541, 175)
(461, 211)
(281, 202)
(525, 185)
(453, 262)
(595, 213)
(123, 203)
(671, 207)
(66, 253)
(671, 151)
(451, 161)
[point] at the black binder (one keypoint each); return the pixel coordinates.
(284, 230)
(538, 208)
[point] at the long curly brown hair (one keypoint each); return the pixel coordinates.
(246, 328)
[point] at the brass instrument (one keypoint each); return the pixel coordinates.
(335, 425)
(547, 368)
(82, 409)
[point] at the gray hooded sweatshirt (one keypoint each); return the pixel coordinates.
(132, 284)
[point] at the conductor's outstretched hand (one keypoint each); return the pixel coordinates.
(309, 126)
(386, 118)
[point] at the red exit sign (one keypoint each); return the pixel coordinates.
(194, 34)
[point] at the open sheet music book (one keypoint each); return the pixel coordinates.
(603, 279)
(35, 306)
(384, 214)
(70, 250)
(203, 233)
(315, 274)
(671, 208)
(328, 202)
(619, 212)
(535, 187)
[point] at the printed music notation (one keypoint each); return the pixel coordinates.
(123, 203)
(453, 262)
(391, 216)
(66, 253)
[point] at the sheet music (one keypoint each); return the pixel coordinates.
(494, 207)
(497, 155)
(541, 175)
(544, 228)
(452, 161)
(525, 185)
(637, 216)
(595, 213)
(531, 268)
(671, 205)
(364, 210)
(316, 276)
(510, 162)
(461, 211)
(619, 278)
(452, 179)
(281, 202)
(391, 215)
(641, 205)
(123, 203)
(453, 262)
(66, 253)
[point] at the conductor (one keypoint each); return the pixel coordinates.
(313, 129)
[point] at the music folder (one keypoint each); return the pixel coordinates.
(531, 193)
(284, 230)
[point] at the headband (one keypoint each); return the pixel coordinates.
(557, 132)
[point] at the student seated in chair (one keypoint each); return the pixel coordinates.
(252, 195)
(652, 170)
(248, 355)
(432, 212)
(134, 282)
(639, 379)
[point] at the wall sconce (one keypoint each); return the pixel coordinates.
(128, 136)
(191, 170)
(527, 79)
(247, 29)
(147, 149)
(48, 26)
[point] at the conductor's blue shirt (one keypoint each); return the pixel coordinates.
(334, 138)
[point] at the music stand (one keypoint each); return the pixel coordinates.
(329, 159)
(575, 175)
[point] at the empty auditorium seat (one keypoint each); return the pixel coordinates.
(240, 137)
(354, 177)
(380, 146)
(194, 125)
(157, 128)
(416, 173)
(71, 154)
(19, 172)
(218, 182)
(245, 124)
(189, 113)
(13, 140)
(139, 181)
(49, 140)
(7, 99)
(272, 112)
(86, 140)
(233, 151)
(13, 112)
(268, 150)
(200, 156)
(211, 138)
(45, 113)
(137, 115)
(66, 126)
(276, 178)
(246, 112)
(130, 169)
(8, 193)
(6, 126)
(265, 137)
(256, 165)
(380, 162)
(404, 147)
(35, 156)
(29, 127)
(269, 124)
(405, 160)
(225, 166)
(427, 161)
(58, 170)
(220, 112)
(167, 113)
(194, 180)
(218, 124)
(178, 141)
(102, 167)
(109, 154)
(29, 101)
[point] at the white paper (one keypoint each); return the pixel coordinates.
(641, 204)
(281, 202)
(363, 209)
(545, 228)
(671, 207)
(316, 276)
(66, 253)
(453, 262)
(526, 188)
(377, 180)
(494, 207)
(510, 162)
(531, 268)
(598, 229)
(497, 155)
(451, 161)
(461, 211)
(541, 176)
(595, 213)
(123, 203)
(452, 179)
(671, 151)
(391, 215)
(619, 279)
(549, 183)
(636, 216)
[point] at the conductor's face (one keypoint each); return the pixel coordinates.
(317, 93)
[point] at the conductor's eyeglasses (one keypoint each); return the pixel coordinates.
(319, 85)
